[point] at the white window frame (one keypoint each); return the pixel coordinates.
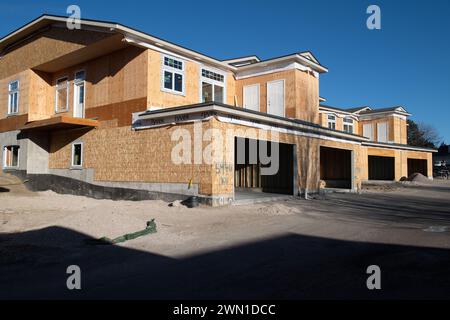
(67, 93)
(10, 93)
(5, 166)
(181, 72)
(257, 85)
(331, 121)
(348, 124)
(213, 83)
(75, 82)
(74, 166)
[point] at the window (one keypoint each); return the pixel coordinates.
(173, 75)
(348, 125)
(77, 154)
(13, 97)
(11, 156)
(331, 121)
(62, 95)
(78, 94)
(213, 86)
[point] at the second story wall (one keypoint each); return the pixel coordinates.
(339, 122)
(392, 127)
(188, 90)
(300, 91)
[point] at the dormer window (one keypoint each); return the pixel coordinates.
(172, 75)
(331, 121)
(348, 125)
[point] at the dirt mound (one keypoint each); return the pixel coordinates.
(417, 177)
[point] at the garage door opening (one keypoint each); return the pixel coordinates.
(381, 168)
(417, 166)
(248, 175)
(336, 168)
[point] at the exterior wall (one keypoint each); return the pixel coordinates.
(396, 126)
(308, 158)
(14, 138)
(401, 160)
(110, 80)
(339, 123)
(192, 95)
(124, 155)
(46, 46)
(301, 93)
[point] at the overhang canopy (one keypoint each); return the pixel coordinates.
(60, 122)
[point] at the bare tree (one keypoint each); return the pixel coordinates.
(430, 134)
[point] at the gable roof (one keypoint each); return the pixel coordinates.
(397, 109)
(363, 111)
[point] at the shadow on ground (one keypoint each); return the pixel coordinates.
(286, 267)
(418, 210)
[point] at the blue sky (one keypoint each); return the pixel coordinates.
(405, 63)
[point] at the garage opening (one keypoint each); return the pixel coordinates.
(417, 166)
(381, 168)
(336, 168)
(248, 175)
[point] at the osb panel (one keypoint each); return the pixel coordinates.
(13, 123)
(45, 47)
(24, 90)
(301, 93)
(192, 76)
(289, 88)
(158, 98)
(396, 127)
(120, 112)
(123, 155)
(308, 153)
(111, 79)
(41, 93)
(339, 123)
(401, 159)
(307, 97)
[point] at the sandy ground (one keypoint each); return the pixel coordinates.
(38, 228)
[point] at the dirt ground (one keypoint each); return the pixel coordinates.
(318, 248)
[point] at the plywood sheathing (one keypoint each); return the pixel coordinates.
(44, 47)
(301, 93)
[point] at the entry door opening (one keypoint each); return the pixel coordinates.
(336, 168)
(248, 176)
(381, 168)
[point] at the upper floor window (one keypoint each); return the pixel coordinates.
(62, 95)
(331, 121)
(13, 97)
(213, 86)
(11, 156)
(172, 75)
(348, 125)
